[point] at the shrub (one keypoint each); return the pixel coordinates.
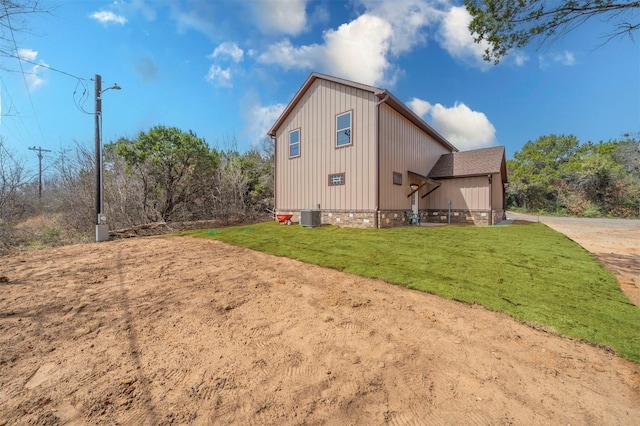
(51, 236)
(591, 210)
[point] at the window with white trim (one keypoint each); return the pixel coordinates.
(343, 129)
(294, 143)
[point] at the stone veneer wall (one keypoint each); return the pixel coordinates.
(475, 217)
(348, 219)
(499, 216)
(394, 218)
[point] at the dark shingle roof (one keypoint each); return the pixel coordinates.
(470, 163)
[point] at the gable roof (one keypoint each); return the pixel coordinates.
(383, 95)
(478, 162)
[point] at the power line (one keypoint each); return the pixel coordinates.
(24, 77)
(17, 133)
(11, 55)
(79, 103)
(9, 154)
(40, 150)
(81, 80)
(83, 98)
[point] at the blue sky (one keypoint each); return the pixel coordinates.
(226, 69)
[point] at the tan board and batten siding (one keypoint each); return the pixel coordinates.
(387, 138)
(470, 193)
(405, 148)
(302, 182)
(464, 178)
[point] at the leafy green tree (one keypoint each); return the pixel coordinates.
(174, 167)
(556, 174)
(536, 169)
(259, 171)
(628, 155)
(508, 24)
(598, 174)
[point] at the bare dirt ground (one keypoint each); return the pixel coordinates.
(177, 330)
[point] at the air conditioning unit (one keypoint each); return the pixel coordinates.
(310, 218)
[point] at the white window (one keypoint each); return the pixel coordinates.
(343, 129)
(294, 143)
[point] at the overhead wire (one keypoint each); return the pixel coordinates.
(24, 77)
(9, 154)
(18, 165)
(81, 81)
(17, 133)
(83, 98)
(4, 52)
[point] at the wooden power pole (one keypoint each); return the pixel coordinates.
(39, 150)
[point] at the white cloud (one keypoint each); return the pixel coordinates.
(200, 17)
(455, 37)
(565, 58)
(106, 17)
(34, 80)
(365, 48)
(464, 128)
(147, 11)
(408, 19)
(28, 54)
(356, 50)
(419, 106)
(281, 16)
(219, 76)
(260, 119)
(228, 49)
(519, 58)
(288, 56)
(362, 49)
(320, 15)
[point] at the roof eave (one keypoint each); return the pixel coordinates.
(307, 84)
(463, 176)
(397, 105)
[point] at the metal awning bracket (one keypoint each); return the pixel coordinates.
(424, 181)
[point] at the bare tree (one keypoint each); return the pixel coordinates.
(13, 21)
(72, 189)
(12, 179)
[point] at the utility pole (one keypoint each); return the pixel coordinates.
(102, 229)
(40, 150)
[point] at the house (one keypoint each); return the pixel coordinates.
(362, 158)
(472, 186)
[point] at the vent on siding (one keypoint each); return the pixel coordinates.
(310, 218)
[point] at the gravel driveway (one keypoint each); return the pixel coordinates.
(615, 242)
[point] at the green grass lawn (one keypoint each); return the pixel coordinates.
(529, 271)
